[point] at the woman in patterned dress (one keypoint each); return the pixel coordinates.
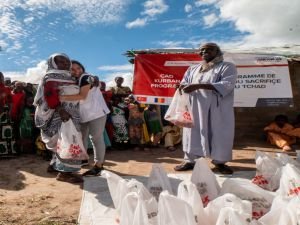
(118, 117)
(51, 113)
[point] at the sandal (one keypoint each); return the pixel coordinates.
(95, 171)
(223, 169)
(184, 166)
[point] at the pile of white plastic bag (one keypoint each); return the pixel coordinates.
(271, 198)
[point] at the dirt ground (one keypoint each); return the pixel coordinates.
(31, 196)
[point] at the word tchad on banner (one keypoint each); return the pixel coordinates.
(263, 80)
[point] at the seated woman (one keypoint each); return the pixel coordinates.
(278, 133)
(51, 113)
(172, 135)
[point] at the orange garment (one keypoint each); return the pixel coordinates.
(295, 132)
(280, 136)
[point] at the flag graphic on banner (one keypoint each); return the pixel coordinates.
(159, 100)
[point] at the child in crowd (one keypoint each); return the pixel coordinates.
(119, 121)
(278, 133)
(18, 102)
(28, 132)
(153, 122)
(135, 122)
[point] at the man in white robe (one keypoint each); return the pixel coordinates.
(211, 88)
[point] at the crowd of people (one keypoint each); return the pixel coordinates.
(31, 117)
(111, 118)
(16, 117)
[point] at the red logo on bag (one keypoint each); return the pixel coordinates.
(75, 150)
(257, 215)
(205, 200)
(259, 180)
(187, 116)
(294, 191)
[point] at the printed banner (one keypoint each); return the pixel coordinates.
(263, 80)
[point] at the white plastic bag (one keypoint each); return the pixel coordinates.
(284, 159)
(179, 111)
(146, 212)
(230, 216)
(140, 215)
(127, 208)
(214, 207)
(290, 181)
(136, 210)
(174, 211)
(146, 203)
(158, 181)
(69, 144)
(244, 189)
(268, 171)
(291, 214)
(113, 181)
(122, 190)
(205, 181)
(272, 217)
(188, 192)
(125, 195)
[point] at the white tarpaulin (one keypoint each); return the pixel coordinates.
(97, 206)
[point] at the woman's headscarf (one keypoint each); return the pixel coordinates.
(52, 64)
(52, 69)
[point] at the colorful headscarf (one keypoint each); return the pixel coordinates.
(51, 61)
(52, 69)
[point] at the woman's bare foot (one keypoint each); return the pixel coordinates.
(286, 148)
